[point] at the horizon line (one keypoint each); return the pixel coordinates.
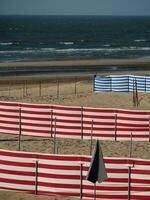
(76, 15)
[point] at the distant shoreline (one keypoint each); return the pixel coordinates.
(72, 63)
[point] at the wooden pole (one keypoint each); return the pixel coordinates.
(75, 86)
(115, 127)
(91, 137)
(19, 139)
(57, 88)
(40, 88)
(129, 182)
(94, 77)
(9, 89)
(145, 84)
(51, 123)
(81, 181)
(128, 83)
(149, 129)
(55, 137)
(130, 151)
(82, 122)
(136, 93)
(36, 177)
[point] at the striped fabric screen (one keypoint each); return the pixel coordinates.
(44, 174)
(73, 122)
(122, 83)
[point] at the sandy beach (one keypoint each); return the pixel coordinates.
(77, 91)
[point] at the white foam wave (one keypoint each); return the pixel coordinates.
(77, 50)
(66, 43)
(6, 43)
(140, 40)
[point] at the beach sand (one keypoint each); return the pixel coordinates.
(78, 92)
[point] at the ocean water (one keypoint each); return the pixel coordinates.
(73, 37)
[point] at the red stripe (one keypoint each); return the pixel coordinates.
(133, 119)
(21, 173)
(10, 110)
(9, 116)
(35, 112)
(23, 182)
(40, 106)
(98, 116)
(60, 185)
(17, 164)
(59, 176)
(67, 108)
(59, 167)
(66, 115)
(8, 104)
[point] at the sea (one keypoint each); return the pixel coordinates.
(33, 38)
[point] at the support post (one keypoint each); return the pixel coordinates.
(55, 137)
(36, 177)
(40, 88)
(81, 181)
(19, 139)
(94, 77)
(129, 182)
(51, 123)
(110, 83)
(82, 122)
(91, 137)
(115, 127)
(149, 128)
(145, 84)
(75, 86)
(58, 88)
(130, 152)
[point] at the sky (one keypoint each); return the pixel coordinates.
(75, 7)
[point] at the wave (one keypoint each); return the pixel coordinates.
(140, 40)
(6, 43)
(66, 43)
(79, 50)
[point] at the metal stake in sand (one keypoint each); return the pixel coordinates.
(91, 137)
(19, 138)
(81, 181)
(55, 136)
(36, 177)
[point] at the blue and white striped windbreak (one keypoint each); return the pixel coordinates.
(121, 83)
